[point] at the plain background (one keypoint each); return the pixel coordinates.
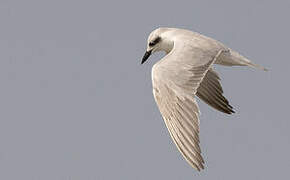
(75, 103)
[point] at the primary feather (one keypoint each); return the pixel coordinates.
(184, 73)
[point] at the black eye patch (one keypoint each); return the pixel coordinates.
(155, 41)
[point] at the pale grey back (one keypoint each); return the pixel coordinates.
(76, 103)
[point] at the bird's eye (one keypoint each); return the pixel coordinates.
(155, 41)
(151, 44)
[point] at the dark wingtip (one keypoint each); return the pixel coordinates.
(230, 110)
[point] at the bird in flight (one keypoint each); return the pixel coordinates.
(185, 72)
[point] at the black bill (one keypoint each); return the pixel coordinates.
(146, 56)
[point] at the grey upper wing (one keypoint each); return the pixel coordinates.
(175, 84)
(180, 115)
(211, 92)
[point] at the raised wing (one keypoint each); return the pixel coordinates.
(176, 79)
(211, 92)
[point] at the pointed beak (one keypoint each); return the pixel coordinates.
(146, 56)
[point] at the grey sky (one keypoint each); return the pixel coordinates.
(75, 103)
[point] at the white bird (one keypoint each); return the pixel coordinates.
(184, 73)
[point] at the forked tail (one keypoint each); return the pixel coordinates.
(232, 58)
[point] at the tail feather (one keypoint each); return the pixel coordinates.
(233, 58)
(250, 64)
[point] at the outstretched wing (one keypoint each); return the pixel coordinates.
(211, 92)
(176, 79)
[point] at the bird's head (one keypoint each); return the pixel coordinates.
(158, 40)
